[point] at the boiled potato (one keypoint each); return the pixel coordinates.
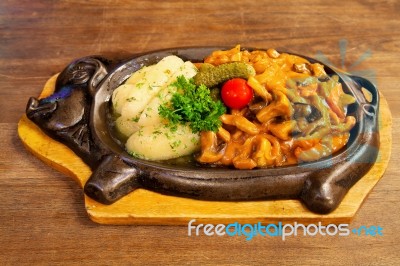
(150, 84)
(159, 142)
(138, 75)
(150, 115)
(126, 126)
(120, 94)
(130, 99)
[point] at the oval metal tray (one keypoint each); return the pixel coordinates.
(77, 115)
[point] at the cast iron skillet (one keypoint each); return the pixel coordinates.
(321, 185)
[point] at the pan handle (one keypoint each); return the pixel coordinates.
(111, 180)
(324, 190)
(369, 86)
(370, 107)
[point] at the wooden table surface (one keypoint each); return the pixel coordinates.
(42, 215)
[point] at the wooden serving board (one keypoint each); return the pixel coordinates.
(147, 207)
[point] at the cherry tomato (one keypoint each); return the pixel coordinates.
(236, 94)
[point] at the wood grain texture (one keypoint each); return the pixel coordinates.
(42, 215)
(150, 208)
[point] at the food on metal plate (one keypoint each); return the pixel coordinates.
(238, 108)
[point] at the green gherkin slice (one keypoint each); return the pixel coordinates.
(212, 76)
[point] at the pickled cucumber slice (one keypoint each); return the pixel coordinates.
(212, 76)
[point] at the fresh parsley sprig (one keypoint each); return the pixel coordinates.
(194, 105)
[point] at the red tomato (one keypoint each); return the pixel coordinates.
(236, 94)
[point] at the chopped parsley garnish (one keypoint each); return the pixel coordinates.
(137, 155)
(131, 99)
(136, 119)
(194, 105)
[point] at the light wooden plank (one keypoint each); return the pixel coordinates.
(147, 207)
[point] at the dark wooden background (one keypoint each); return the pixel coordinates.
(42, 214)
